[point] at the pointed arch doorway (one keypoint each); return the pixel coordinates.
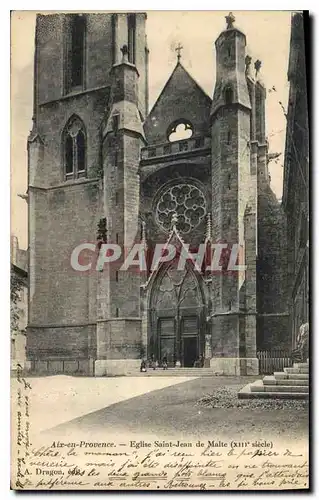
(177, 313)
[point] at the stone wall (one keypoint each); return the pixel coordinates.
(225, 335)
(119, 338)
(273, 332)
(271, 271)
(61, 348)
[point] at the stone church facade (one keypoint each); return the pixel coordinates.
(99, 159)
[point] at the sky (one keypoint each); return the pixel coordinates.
(268, 37)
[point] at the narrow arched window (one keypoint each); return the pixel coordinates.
(131, 36)
(74, 52)
(228, 95)
(74, 145)
(114, 31)
(77, 50)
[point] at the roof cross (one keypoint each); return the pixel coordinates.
(178, 50)
(230, 19)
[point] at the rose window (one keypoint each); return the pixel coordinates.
(187, 202)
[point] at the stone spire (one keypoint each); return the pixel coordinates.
(230, 86)
(248, 60)
(124, 51)
(123, 101)
(257, 67)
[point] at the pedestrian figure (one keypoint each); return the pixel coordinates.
(196, 363)
(143, 366)
(164, 363)
(153, 362)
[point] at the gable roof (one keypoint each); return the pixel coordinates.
(181, 98)
(175, 239)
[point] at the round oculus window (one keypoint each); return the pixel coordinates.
(187, 201)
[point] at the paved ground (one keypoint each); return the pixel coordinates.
(173, 411)
(61, 398)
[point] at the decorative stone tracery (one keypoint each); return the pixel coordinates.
(187, 201)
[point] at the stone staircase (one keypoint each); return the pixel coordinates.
(292, 383)
(174, 372)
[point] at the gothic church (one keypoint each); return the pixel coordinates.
(192, 170)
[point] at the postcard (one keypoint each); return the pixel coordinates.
(159, 250)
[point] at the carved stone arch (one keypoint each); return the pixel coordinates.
(74, 122)
(177, 315)
(176, 282)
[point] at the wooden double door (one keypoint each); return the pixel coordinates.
(176, 316)
(178, 339)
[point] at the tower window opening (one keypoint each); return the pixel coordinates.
(228, 95)
(114, 24)
(77, 50)
(131, 37)
(228, 137)
(74, 145)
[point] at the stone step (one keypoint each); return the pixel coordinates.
(301, 365)
(174, 372)
(297, 370)
(291, 376)
(246, 393)
(271, 380)
(182, 370)
(258, 386)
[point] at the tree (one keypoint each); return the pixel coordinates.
(16, 285)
